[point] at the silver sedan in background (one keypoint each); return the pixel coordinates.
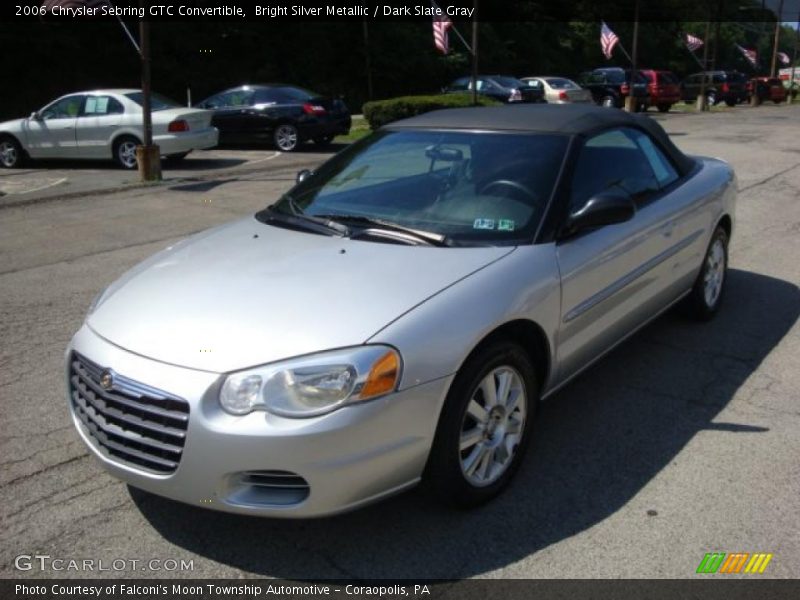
(398, 314)
(560, 90)
(104, 124)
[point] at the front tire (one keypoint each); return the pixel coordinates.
(286, 137)
(11, 153)
(485, 426)
(663, 108)
(705, 298)
(125, 152)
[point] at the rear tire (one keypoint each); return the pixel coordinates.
(663, 108)
(482, 435)
(11, 153)
(730, 102)
(125, 151)
(286, 137)
(711, 98)
(704, 300)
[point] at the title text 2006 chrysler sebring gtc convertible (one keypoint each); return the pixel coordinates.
(397, 315)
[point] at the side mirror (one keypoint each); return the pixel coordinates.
(606, 208)
(35, 116)
(303, 175)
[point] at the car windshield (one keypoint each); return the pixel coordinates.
(157, 101)
(561, 84)
(509, 82)
(472, 188)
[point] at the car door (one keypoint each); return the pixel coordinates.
(230, 113)
(99, 119)
(614, 278)
(51, 134)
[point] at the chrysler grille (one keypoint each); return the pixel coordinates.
(129, 421)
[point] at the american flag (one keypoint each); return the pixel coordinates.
(784, 58)
(692, 42)
(441, 23)
(750, 55)
(608, 39)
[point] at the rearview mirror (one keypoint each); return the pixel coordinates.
(35, 116)
(605, 208)
(303, 175)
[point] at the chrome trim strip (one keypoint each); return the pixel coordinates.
(629, 278)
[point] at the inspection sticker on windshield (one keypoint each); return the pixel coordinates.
(483, 224)
(505, 225)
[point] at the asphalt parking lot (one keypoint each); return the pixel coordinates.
(682, 441)
(49, 179)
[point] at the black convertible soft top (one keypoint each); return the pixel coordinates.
(569, 119)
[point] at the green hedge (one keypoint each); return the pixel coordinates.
(381, 112)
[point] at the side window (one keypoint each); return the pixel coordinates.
(96, 106)
(66, 108)
(663, 170)
(266, 97)
(460, 84)
(612, 159)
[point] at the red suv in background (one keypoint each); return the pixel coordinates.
(767, 88)
(664, 88)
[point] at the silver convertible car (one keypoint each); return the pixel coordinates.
(398, 314)
(104, 124)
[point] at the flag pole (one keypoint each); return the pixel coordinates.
(631, 101)
(701, 98)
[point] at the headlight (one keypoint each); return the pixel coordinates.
(313, 385)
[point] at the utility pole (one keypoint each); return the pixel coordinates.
(777, 39)
(475, 53)
(631, 101)
(147, 155)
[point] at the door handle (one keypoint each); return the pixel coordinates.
(666, 230)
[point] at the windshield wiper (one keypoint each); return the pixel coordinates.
(298, 219)
(372, 224)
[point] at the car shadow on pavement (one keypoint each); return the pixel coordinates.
(598, 443)
(193, 162)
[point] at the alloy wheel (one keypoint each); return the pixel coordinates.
(8, 154)
(492, 426)
(126, 152)
(286, 137)
(714, 273)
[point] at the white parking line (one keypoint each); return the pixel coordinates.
(44, 187)
(273, 155)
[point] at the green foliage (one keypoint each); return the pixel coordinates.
(381, 112)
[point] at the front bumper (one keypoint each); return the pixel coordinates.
(178, 143)
(353, 456)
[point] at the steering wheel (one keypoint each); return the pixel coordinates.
(516, 185)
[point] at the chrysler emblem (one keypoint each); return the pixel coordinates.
(107, 380)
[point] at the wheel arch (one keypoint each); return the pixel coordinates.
(530, 336)
(17, 139)
(726, 223)
(123, 134)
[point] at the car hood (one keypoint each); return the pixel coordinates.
(247, 293)
(12, 125)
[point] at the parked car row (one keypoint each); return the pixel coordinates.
(107, 124)
(611, 86)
